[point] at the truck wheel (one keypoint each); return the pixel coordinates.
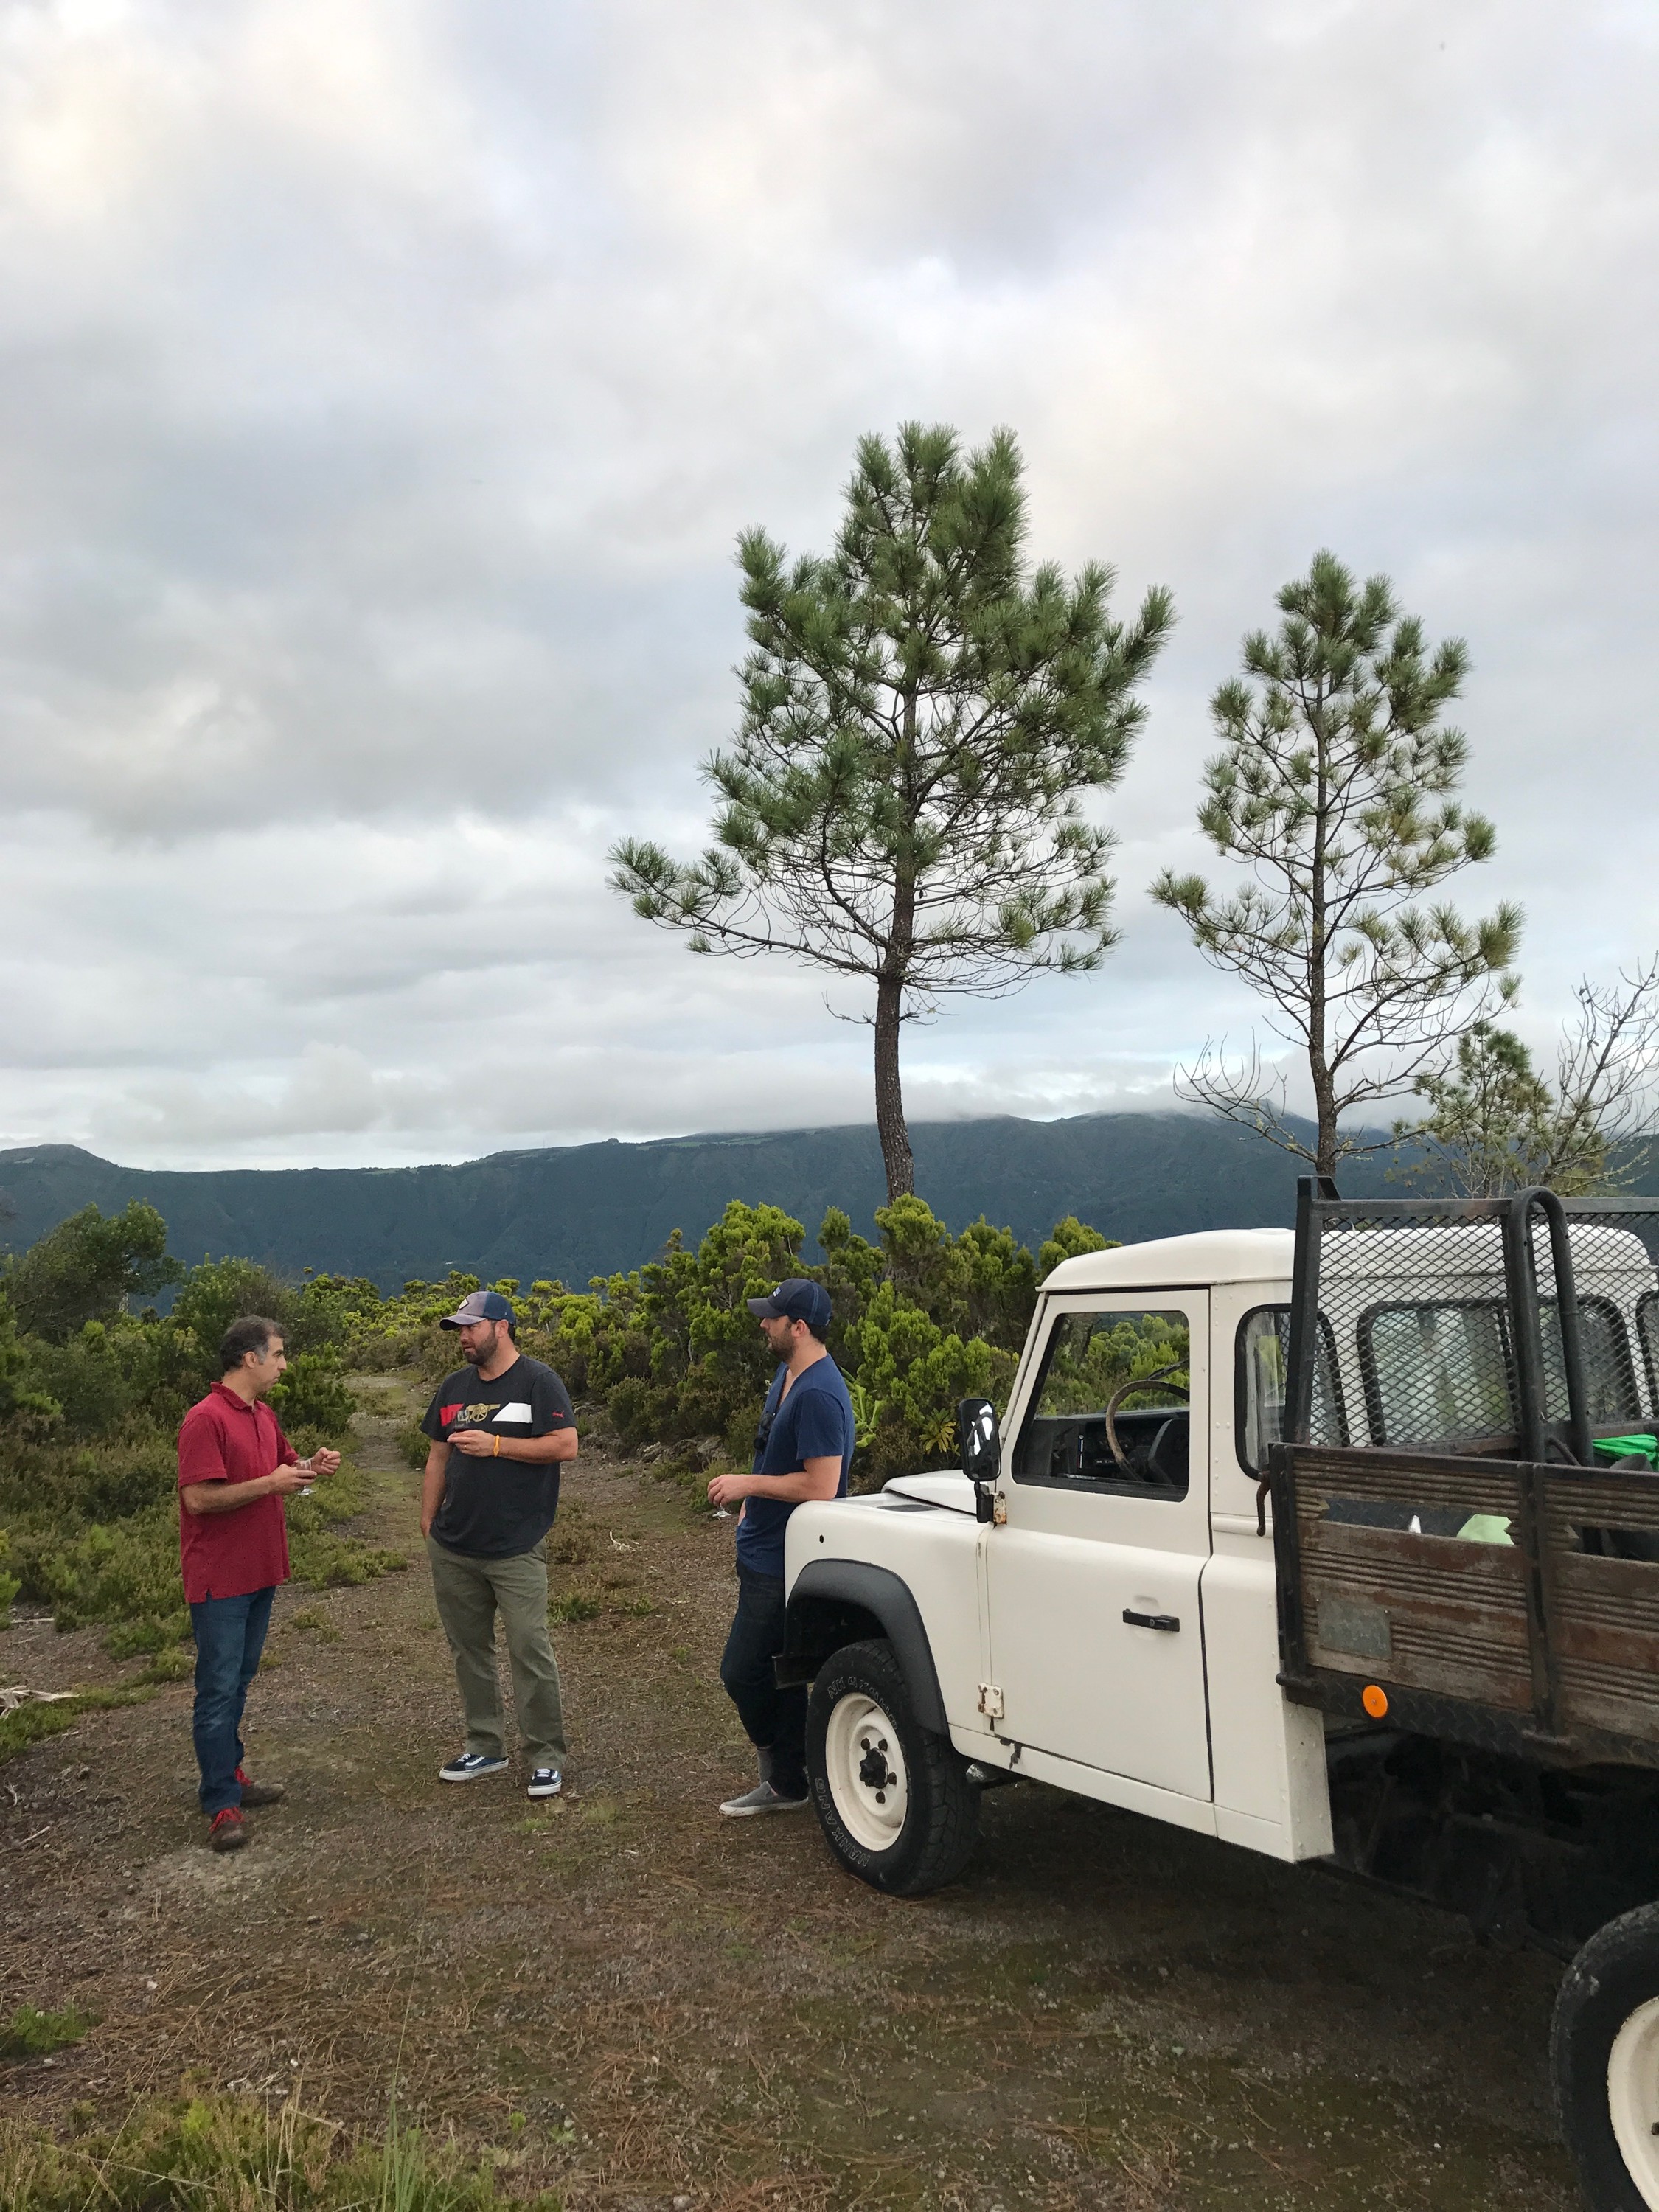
(1604, 2060)
(893, 1798)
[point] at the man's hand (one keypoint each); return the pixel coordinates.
(324, 1461)
(731, 1489)
(477, 1443)
(287, 1480)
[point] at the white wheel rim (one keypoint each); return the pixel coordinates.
(1633, 2098)
(864, 1768)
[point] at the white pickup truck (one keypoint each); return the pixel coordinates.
(1435, 1662)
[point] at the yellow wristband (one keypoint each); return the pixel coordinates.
(497, 1452)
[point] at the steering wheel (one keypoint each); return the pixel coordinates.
(1128, 1390)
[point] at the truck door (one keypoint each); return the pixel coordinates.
(1093, 1580)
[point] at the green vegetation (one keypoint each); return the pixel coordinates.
(1333, 790)
(1094, 1355)
(32, 2033)
(1495, 1124)
(218, 2154)
(922, 713)
(92, 1395)
(88, 1510)
(672, 1354)
(33, 1723)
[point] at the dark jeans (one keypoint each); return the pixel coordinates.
(775, 1720)
(230, 1634)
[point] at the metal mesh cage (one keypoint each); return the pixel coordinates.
(1516, 1328)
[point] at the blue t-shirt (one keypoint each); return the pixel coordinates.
(814, 1421)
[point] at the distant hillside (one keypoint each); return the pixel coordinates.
(582, 1210)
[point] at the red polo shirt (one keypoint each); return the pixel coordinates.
(224, 1439)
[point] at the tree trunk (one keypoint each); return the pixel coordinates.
(1325, 1116)
(890, 1095)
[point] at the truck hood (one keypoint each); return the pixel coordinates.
(946, 1487)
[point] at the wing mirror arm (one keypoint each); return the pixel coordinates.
(981, 1452)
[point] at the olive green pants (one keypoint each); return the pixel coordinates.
(470, 1593)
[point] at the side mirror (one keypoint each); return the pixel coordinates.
(981, 1450)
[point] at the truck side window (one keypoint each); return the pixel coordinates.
(1608, 1376)
(1088, 1360)
(1437, 1374)
(1261, 1362)
(1647, 1329)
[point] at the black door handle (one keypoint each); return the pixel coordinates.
(1163, 1620)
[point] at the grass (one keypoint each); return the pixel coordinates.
(33, 1723)
(221, 2153)
(32, 2033)
(318, 1623)
(575, 1605)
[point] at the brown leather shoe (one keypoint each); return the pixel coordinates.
(228, 1832)
(261, 1793)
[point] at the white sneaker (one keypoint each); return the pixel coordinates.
(545, 1782)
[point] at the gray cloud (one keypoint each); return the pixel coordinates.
(384, 388)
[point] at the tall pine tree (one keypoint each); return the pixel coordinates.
(1334, 789)
(923, 715)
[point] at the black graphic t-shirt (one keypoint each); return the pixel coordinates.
(494, 1509)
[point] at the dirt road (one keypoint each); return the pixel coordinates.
(639, 2005)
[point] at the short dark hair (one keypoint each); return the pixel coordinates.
(250, 1333)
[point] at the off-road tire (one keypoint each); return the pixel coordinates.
(1606, 1987)
(941, 1811)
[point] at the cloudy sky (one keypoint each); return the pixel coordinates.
(385, 382)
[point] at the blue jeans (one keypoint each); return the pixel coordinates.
(774, 1720)
(230, 1634)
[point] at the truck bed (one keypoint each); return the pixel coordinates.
(1545, 1646)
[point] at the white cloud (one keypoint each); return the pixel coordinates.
(385, 387)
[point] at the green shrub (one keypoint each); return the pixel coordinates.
(31, 2034)
(20, 1398)
(921, 1319)
(86, 1269)
(94, 1535)
(314, 1394)
(9, 1584)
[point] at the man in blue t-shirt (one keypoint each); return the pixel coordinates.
(803, 1449)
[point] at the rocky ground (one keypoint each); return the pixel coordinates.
(639, 2005)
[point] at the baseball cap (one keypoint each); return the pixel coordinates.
(479, 1305)
(795, 1300)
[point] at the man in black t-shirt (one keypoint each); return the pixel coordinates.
(500, 1428)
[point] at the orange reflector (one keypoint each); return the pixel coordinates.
(1374, 1699)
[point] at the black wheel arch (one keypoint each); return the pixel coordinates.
(834, 1603)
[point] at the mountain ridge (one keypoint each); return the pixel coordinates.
(575, 1211)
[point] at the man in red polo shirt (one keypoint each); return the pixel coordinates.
(235, 1468)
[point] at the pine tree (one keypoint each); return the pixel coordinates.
(1494, 1124)
(1332, 787)
(922, 715)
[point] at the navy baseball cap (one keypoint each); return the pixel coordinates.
(795, 1300)
(479, 1305)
